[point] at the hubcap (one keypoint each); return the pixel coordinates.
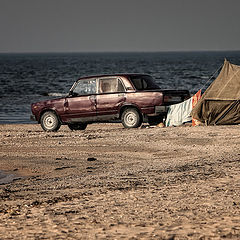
(131, 119)
(49, 121)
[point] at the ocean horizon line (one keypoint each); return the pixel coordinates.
(115, 52)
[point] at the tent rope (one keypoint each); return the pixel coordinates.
(211, 77)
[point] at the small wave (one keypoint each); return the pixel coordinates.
(55, 94)
(193, 77)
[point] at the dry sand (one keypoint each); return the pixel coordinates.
(112, 183)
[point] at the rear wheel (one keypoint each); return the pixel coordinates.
(77, 126)
(131, 118)
(50, 122)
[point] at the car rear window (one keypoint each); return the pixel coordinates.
(143, 82)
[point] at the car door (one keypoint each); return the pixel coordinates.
(81, 105)
(110, 97)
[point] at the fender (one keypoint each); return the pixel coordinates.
(127, 105)
(49, 109)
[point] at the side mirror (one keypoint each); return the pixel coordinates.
(72, 94)
(129, 88)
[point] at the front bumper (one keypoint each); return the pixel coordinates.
(33, 118)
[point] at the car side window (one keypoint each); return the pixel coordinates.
(110, 85)
(143, 82)
(140, 83)
(120, 86)
(85, 87)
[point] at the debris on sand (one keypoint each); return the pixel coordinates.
(91, 159)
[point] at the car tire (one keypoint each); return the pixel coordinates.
(131, 118)
(50, 122)
(77, 126)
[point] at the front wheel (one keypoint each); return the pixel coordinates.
(77, 126)
(50, 122)
(131, 118)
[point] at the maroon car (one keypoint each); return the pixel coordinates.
(131, 98)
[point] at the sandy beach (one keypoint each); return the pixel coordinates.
(108, 182)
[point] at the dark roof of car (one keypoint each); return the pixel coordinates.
(114, 75)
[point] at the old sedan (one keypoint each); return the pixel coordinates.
(131, 98)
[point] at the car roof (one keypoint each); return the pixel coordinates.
(114, 75)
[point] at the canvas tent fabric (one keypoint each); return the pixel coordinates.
(195, 98)
(220, 104)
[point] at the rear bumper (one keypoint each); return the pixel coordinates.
(33, 118)
(158, 110)
(161, 109)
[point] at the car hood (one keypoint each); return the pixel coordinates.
(49, 101)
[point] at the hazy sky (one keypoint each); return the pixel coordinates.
(119, 25)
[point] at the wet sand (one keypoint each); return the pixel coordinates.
(112, 183)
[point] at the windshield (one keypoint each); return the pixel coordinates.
(143, 82)
(84, 87)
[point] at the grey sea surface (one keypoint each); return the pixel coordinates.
(28, 78)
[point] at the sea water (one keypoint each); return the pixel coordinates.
(27, 78)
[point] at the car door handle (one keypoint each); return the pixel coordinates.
(92, 98)
(121, 94)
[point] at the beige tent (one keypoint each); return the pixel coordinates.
(220, 104)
